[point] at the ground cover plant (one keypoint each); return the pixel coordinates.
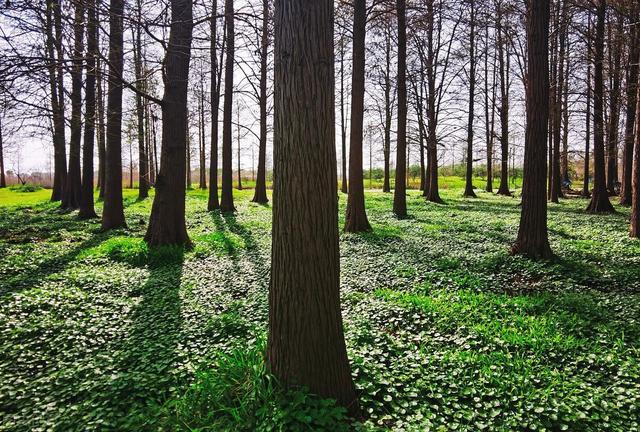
(444, 329)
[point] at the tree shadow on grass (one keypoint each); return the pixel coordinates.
(148, 363)
(30, 277)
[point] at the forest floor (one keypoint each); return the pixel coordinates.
(444, 329)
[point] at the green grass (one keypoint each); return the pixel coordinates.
(444, 330)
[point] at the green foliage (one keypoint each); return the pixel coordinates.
(236, 393)
(444, 329)
(25, 188)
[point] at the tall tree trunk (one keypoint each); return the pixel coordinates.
(215, 82)
(614, 107)
(386, 186)
(468, 190)
(533, 238)
(56, 78)
(100, 113)
(631, 114)
(167, 222)
(564, 162)
(260, 193)
(239, 148)
(557, 98)
(431, 192)
(3, 180)
(226, 202)
(113, 210)
(73, 185)
(306, 343)
(489, 119)
(634, 229)
(87, 209)
(143, 168)
(587, 150)
(600, 198)
(149, 143)
(188, 161)
(343, 123)
(502, 47)
(400, 192)
(203, 158)
(356, 216)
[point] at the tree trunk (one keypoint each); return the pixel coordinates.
(614, 107)
(201, 145)
(167, 222)
(56, 82)
(585, 182)
(431, 190)
(226, 203)
(631, 114)
(188, 160)
(386, 186)
(143, 168)
(113, 210)
(100, 114)
(148, 143)
(400, 191)
(557, 99)
(533, 238)
(502, 48)
(73, 186)
(600, 198)
(489, 120)
(260, 193)
(356, 216)
(634, 230)
(239, 148)
(468, 190)
(87, 209)
(564, 162)
(343, 123)
(306, 343)
(3, 180)
(215, 82)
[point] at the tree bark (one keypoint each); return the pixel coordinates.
(73, 186)
(502, 48)
(87, 209)
(386, 186)
(113, 209)
(614, 107)
(400, 191)
(55, 55)
(143, 168)
(226, 202)
(215, 81)
(100, 113)
(306, 343)
(260, 193)
(3, 180)
(631, 113)
(600, 198)
(201, 139)
(431, 189)
(532, 240)
(489, 119)
(634, 229)
(468, 190)
(587, 150)
(167, 222)
(343, 123)
(557, 99)
(356, 216)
